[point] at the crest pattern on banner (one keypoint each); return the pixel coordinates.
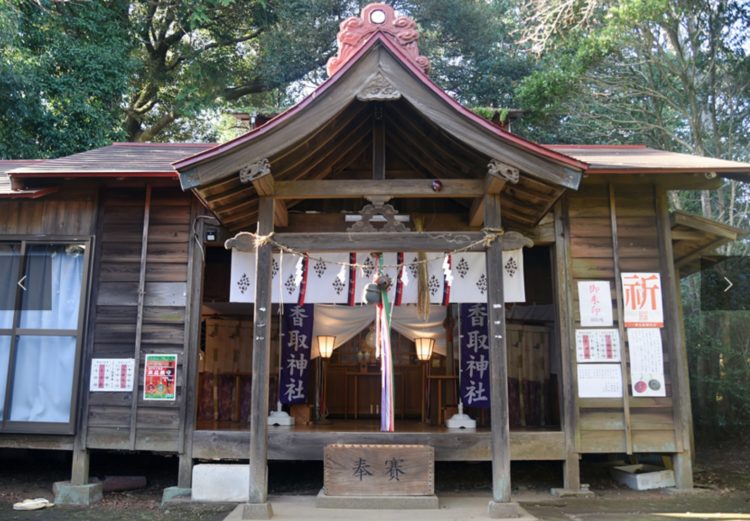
(327, 278)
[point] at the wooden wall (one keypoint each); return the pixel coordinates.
(69, 212)
(613, 229)
(139, 306)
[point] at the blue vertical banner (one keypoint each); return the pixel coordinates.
(296, 342)
(475, 356)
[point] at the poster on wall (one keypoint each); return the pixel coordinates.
(595, 303)
(160, 377)
(646, 362)
(599, 381)
(642, 300)
(597, 345)
(111, 375)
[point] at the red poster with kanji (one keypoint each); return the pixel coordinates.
(642, 300)
(160, 377)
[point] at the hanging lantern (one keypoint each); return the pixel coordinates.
(424, 348)
(325, 346)
(372, 294)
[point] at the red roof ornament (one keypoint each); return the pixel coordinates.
(355, 31)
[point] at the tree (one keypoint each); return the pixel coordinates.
(63, 70)
(674, 74)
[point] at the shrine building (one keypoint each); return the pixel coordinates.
(375, 268)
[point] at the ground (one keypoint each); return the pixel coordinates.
(722, 475)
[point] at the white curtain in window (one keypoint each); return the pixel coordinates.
(65, 272)
(4, 356)
(43, 381)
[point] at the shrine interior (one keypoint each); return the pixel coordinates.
(426, 392)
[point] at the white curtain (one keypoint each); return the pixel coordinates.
(43, 382)
(44, 366)
(344, 322)
(64, 270)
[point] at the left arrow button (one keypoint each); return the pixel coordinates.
(20, 283)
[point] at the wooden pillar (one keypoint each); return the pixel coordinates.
(498, 357)
(624, 356)
(566, 342)
(192, 340)
(258, 493)
(676, 348)
(80, 469)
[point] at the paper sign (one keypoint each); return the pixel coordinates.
(160, 377)
(595, 303)
(597, 345)
(646, 362)
(111, 374)
(599, 381)
(642, 300)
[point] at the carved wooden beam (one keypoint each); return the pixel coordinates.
(378, 88)
(507, 172)
(259, 174)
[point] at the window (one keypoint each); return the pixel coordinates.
(42, 297)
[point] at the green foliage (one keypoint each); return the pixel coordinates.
(719, 363)
(669, 73)
(64, 67)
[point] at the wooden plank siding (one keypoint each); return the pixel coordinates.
(628, 424)
(127, 326)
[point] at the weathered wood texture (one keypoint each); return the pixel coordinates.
(69, 212)
(307, 443)
(127, 324)
(631, 424)
(378, 470)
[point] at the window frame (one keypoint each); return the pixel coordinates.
(14, 332)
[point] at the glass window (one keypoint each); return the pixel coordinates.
(43, 379)
(53, 287)
(41, 335)
(10, 259)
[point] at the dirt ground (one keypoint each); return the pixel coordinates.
(722, 476)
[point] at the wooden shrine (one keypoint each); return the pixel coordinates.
(378, 160)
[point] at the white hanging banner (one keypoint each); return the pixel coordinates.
(435, 277)
(242, 278)
(469, 272)
(287, 270)
(287, 277)
(328, 278)
(459, 278)
(646, 362)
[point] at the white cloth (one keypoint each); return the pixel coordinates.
(328, 282)
(469, 272)
(328, 278)
(344, 322)
(44, 365)
(287, 275)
